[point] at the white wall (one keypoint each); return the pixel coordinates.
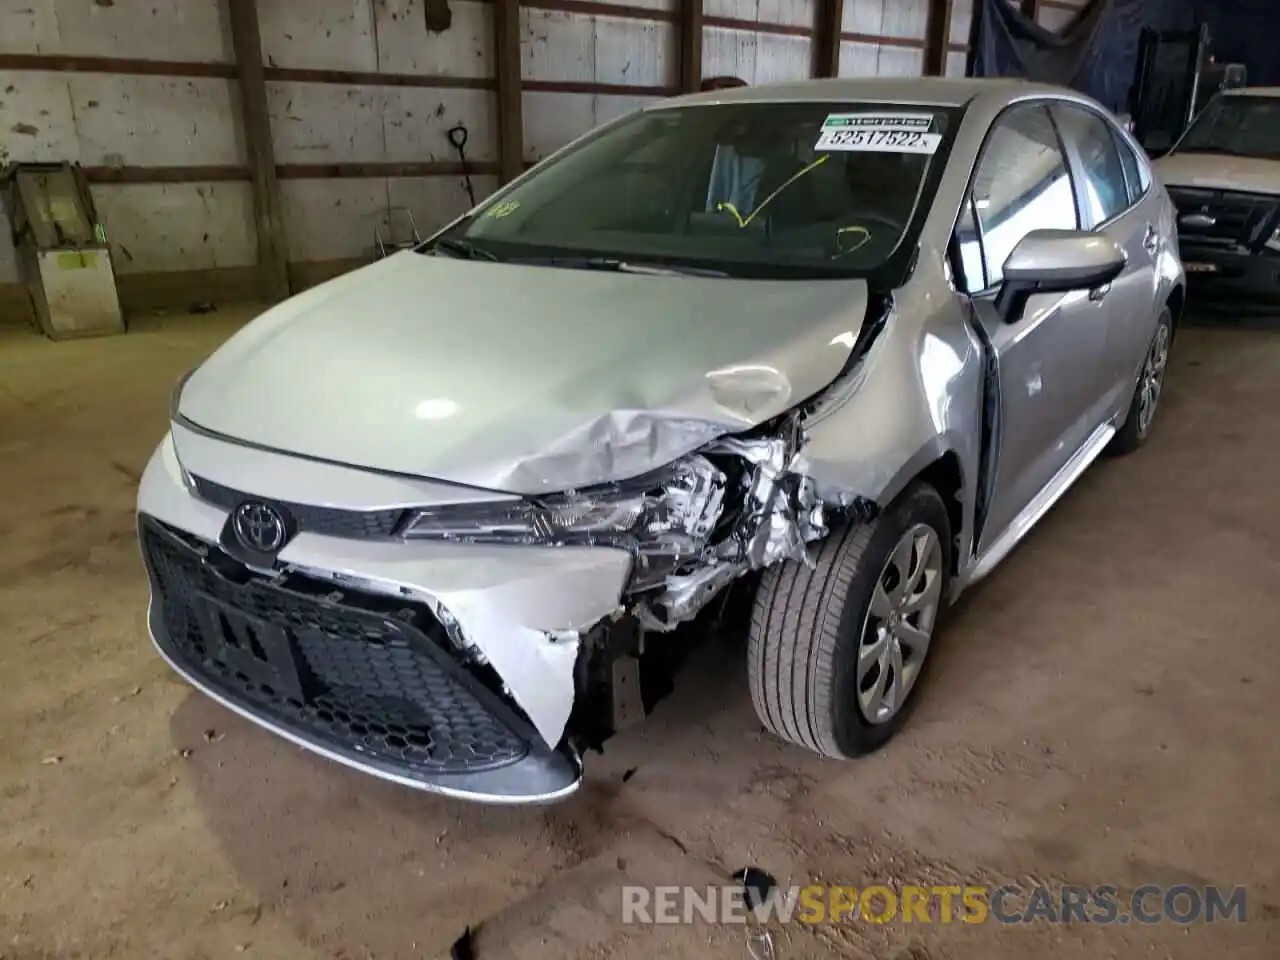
(115, 120)
(579, 70)
(326, 123)
(559, 47)
(758, 56)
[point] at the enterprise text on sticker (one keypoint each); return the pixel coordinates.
(879, 132)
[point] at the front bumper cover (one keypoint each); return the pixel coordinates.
(363, 680)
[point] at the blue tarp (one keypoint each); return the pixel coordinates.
(1097, 51)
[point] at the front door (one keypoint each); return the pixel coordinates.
(1047, 359)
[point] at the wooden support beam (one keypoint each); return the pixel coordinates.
(273, 264)
(506, 58)
(827, 29)
(689, 25)
(937, 35)
(1031, 9)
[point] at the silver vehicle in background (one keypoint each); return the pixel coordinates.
(836, 345)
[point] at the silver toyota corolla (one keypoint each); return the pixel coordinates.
(832, 348)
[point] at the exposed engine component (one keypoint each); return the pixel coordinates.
(765, 512)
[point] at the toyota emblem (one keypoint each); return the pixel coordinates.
(259, 527)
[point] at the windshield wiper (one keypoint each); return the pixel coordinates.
(463, 249)
(621, 266)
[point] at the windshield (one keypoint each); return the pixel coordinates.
(745, 189)
(1238, 124)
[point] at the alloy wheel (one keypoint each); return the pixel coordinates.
(1152, 381)
(899, 624)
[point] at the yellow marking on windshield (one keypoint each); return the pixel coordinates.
(504, 209)
(727, 207)
(864, 238)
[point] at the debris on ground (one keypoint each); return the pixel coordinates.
(756, 885)
(463, 948)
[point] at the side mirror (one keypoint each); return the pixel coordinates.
(1056, 261)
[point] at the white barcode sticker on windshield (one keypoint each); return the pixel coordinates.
(879, 133)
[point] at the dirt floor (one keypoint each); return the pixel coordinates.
(1103, 710)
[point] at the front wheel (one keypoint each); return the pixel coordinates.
(836, 651)
(1140, 422)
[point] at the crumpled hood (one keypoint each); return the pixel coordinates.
(1218, 171)
(518, 378)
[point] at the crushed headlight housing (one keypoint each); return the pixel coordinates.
(663, 518)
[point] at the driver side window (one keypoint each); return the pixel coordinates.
(1021, 184)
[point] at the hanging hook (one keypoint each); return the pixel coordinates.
(458, 138)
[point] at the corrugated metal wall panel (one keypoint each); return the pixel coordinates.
(329, 123)
(336, 219)
(417, 120)
(37, 117)
(189, 30)
(156, 121)
(406, 46)
(178, 226)
(755, 57)
(961, 18)
(553, 119)
(798, 13)
(559, 47)
(572, 47)
(318, 34)
(668, 5)
(887, 18)
(880, 60)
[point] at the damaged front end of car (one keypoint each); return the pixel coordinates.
(738, 504)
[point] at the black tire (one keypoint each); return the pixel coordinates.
(1134, 433)
(807, 624)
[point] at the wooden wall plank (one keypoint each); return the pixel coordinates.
(826, 39)
(273, 267)
(506, 39)
(690, 31)
(937, 35)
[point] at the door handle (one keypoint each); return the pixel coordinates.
(1152, 240)
(1098, 294)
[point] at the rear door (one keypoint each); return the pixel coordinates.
(1048, 357)
(1129, 218)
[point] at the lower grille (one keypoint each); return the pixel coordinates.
(354, 673)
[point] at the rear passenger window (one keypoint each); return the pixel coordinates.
(1135, 171)
(1021, 185)
(1104, 189)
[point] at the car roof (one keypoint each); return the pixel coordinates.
(1252, 92)
(936, 91)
